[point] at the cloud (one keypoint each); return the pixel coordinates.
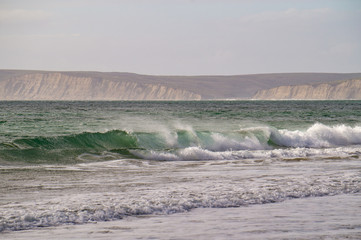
(289, 14)
(23, 15)
(180, 37)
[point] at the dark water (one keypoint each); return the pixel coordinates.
(79, 162)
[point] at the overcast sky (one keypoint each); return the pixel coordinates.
(181, 37)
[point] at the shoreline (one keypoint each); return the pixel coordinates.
(328, 217)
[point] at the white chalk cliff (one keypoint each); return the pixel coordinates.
(95, 86)
(60, 86)
(348, 89)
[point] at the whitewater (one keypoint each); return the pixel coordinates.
(129, 166)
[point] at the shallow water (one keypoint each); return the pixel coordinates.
(332, 217)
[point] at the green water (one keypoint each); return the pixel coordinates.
(72, 163)
(60, 132)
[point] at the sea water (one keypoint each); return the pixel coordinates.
(134, 164)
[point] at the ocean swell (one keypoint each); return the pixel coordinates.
(185, 144)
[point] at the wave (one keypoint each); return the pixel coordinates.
(71, 148)
(185, 144)
(92, 207)
(318, 136)
(196, 153)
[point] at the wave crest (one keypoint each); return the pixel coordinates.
(183, 144)
(318, 136)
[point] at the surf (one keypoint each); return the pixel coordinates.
(185, 144)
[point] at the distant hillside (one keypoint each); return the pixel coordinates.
(53, 85)
(338, 90)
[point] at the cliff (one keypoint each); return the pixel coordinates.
(347, 89)
(54, 85)
(59, 86)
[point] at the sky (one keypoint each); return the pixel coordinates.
(181, 37)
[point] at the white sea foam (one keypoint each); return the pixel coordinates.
(174, 197)
(258, 143)
(318, 136)
(197, 153)
(226, 143)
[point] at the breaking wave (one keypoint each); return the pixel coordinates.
(189, 144)
(318, 136)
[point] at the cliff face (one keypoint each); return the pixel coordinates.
(59, 86)
(90, 85)
(348, 89)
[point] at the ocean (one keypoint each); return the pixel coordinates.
(180, 170)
